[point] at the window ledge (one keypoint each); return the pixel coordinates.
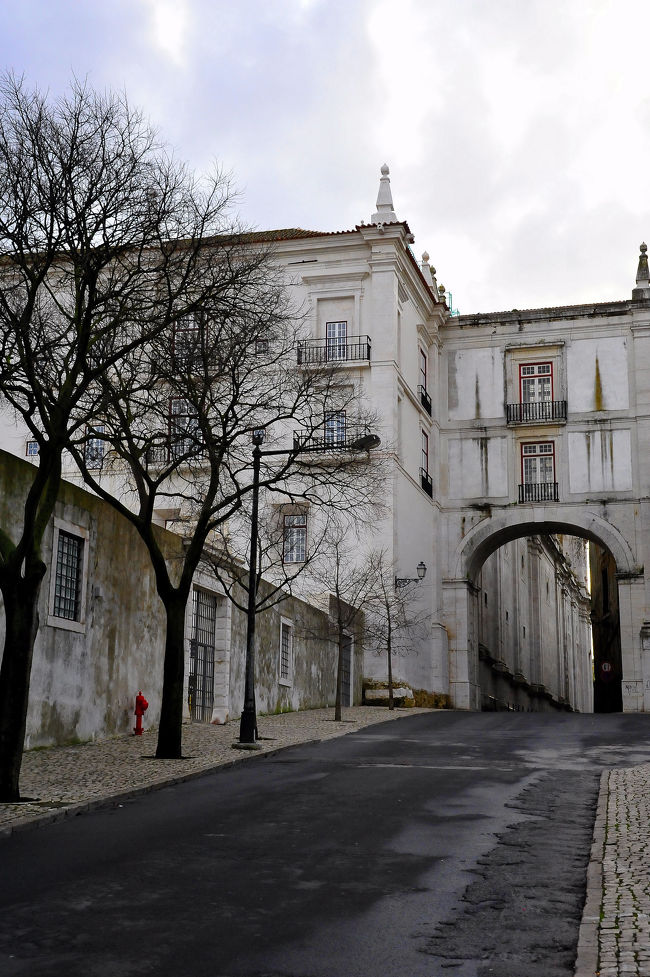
(65, 624)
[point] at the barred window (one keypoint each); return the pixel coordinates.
(67, 586)
(295, 539)
(94, 446)
(285, 652)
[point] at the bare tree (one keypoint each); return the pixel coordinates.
(392, 622)
(177, 423)
(100, 234)
(349, 587)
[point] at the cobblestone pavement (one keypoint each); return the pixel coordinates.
(60, 781)
(615, 933)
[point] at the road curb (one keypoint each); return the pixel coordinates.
(586, 964)
(113, 800)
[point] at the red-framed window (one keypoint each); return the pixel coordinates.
(538, 463)
(535, 383)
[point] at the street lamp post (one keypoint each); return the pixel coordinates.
(421, 569)
(248, 721)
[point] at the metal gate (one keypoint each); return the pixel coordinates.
(346, 671)
(201, 678)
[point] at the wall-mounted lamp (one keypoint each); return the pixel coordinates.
(421, 569)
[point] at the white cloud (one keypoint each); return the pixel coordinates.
(169, 20)
(517, 133)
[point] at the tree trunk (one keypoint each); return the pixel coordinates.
(171, 711)
(389, 645)
(391, 698)
(21, 622)
(339, 679)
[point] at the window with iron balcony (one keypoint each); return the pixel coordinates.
(536, 402)
(337, 347)
(425, 479)
(538, 472)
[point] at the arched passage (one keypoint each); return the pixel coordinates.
(500, 528)
(460, 594)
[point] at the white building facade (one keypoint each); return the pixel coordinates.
(505, 428)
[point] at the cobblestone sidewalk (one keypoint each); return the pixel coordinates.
(615, 932)
(67, 780)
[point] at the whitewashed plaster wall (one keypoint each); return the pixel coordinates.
(600, 460)
(597, 374)
(475, 383)
(477, 467)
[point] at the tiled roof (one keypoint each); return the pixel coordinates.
(555, 311)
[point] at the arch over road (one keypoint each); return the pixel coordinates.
(508, 524)
(504, 524)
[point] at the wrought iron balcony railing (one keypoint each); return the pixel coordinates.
(352, 349)
(335, 440)
(539, 492)
(425, 399)
(426, 482)
(173, 449)
(544, 410)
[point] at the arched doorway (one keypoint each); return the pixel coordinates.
(533, 629)
(462, 591)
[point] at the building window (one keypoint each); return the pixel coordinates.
(200, 688)
(31, 449)
(337, 339)
(538, 472)
(68, 577)
(423, 370)
(294, 548)
(261, 346)
(536, 383)
(286, 652)
(423, 385)
(184, 434)
(538, 463)
(335, 427)
(186, 342)
(94, 446)
(425, 479)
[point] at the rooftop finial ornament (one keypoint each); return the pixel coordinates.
(642, 290)
(385, 213)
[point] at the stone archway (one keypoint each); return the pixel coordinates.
(501, 526)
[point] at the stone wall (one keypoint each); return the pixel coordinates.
(85, 674)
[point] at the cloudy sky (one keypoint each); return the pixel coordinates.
(517, 131)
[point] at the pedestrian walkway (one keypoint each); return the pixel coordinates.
(58, 782)
(615, 931)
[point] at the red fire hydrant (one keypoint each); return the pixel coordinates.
(141, 706)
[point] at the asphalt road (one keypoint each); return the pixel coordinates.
(450, 843)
